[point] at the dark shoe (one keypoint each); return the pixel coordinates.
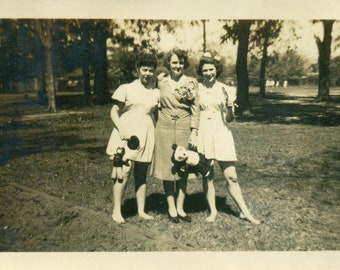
(185, 218)
(174, 219)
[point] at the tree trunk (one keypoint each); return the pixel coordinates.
(263, 67)
(241, 67)
(324, 48)
(204, 37)
(101, 93)
(40, 70)
(44, 29)
(85, 60)
(50, 85)
(42, 93)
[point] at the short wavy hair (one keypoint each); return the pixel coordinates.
(181, 54)
(207, 58)
(146, 59)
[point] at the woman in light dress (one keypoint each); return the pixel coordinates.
(132, 115)
(215, 139)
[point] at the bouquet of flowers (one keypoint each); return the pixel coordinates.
(186, 93)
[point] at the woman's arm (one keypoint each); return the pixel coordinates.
(230, 95)
(229, 114)
(195, 110)
(116, 108)
(195, 118)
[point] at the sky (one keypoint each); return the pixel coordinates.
(192, 38)
(302, 10)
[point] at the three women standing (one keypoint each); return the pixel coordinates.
(191, 115)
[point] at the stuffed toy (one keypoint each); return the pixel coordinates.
(119, 158)
(182, 158)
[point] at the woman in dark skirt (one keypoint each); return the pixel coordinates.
(178, 120)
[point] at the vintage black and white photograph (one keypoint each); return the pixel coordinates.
(170, 133)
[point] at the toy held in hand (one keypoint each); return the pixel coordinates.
(119, 158)
(182, 158)
(133, 142)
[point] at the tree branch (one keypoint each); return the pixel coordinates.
(318, 42)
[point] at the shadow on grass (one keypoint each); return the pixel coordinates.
(278, 108)
(24, 104)
(16, 145)
(25, 138)
(194, 203)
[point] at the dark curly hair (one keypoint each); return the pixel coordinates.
(208, 59)
(146, 59)
(181, 54)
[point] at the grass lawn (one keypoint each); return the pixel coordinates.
(56, 190)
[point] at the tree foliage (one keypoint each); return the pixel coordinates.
(27, 54)
(264, 35)
(288, 65)
(334, 68)
(17, 52)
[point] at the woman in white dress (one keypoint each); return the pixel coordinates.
(215, 139)
(132, 114)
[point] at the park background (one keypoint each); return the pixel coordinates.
(324, 111)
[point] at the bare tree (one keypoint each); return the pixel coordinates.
(204, 36)
(44, 28)
(239, 30)
(324, 48)
(267, 31)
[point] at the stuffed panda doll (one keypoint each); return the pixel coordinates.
(182, 158)
(119, 158)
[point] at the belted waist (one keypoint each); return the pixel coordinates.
(185, 117)
(211, 114)
(174, 117)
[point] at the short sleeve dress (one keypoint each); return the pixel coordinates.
(175, 120)
(215, 140)
(137, 116)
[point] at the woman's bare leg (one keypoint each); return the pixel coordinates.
(118, 196)
(169, 190)
(118, 191)
(181, 187)
(139, 173)
(171, 206)
(209, 190)
(140, 197)
(229, 172)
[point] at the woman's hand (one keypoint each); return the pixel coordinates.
(123, 133)
(193, 138)
(116, 108)
(229, 114)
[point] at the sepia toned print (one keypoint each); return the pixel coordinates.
(57, 79)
